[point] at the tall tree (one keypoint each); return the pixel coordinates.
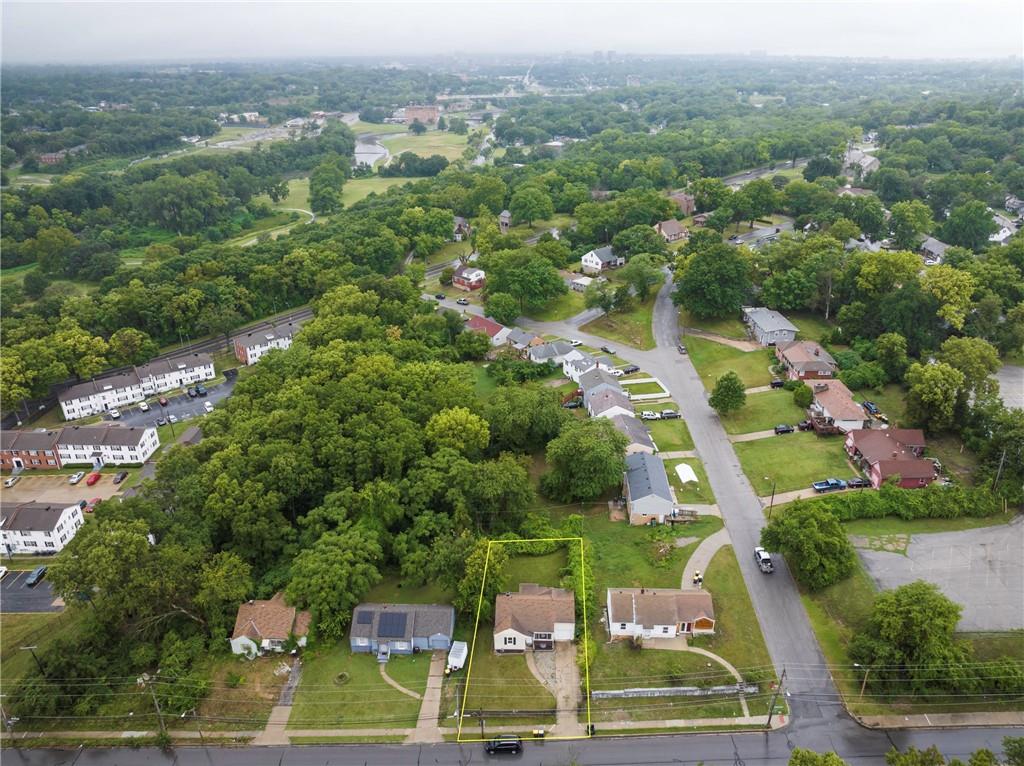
(715, 282)
(909, 220)
(813, 542)
(584, 460)
(729, 394)
(969, 225)
(530, 204)
(933, 391)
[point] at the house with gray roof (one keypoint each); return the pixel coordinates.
(649, 498)
(633, 429)
(933, 250)
(608, 403)
(38, 527)
(521, 340)
(598, 379)
(601, 259)
(401, 628)
(767, 326)
(554, 352)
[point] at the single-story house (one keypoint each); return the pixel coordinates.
(864, 244)
(521, 340)
(805, 360)
(554, 352)
(401, 628)
(534, 618)
(834, 405)
(601, 259)
(767, 326)
(580, 284)
(648, 495)
(659, 613)
(701, 219)
(504, 221)
(686, 202)
(468, 278)
(633, 429)
(265, 626)
(498, 333)
(886, 452)
(460, 228)
(671, 230)
(1013, 204)
(608, 403)
(933, 250)
(1001, 236)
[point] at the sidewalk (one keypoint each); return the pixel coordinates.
(702, 556)
(736, 438)
(940, 720)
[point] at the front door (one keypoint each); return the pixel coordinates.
(18, 464)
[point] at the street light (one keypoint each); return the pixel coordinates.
(867, 672)
(772, 503)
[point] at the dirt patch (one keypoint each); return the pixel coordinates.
(616, 513)
(682, 542)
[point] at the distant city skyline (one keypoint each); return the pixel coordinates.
(43, 32)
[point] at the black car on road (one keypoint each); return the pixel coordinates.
(504, 743)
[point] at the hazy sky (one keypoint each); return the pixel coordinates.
(40, 31)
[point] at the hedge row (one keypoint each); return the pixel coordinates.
(932, 502)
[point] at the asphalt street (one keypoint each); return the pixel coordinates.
(738, 179)
(182, 406)
(16, 596)
(859, 747)
(757, 237)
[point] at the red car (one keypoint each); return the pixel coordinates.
(92, 478)
(92, 504)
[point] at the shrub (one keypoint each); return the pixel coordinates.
(803, 396)
(932, 502)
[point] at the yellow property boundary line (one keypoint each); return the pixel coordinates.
(586, 632)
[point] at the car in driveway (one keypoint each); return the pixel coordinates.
(463, 301)
(192, 393)
(858, 483)
(764, 560)
(608, 350)
(828, 485)
(777, 383)
(650, 415)
(92, 479)
(805, 425)
(12, 481)
(503, 744)
(120, 476)
(782, 428)
(573, 404)
(35, 577)
(616, 373)
(871, 408)
(76, 477)
(144, 406)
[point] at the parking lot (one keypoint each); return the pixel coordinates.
(55, 489)
(15, 596)
(181, 405)
(980, 569)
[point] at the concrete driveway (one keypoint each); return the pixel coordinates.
(55, 489)
(180, 405)
(16, 596)
(980, 569)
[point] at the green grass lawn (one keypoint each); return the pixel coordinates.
(543, 570)
(483, 384)
(391, 591)
(562, 307)
(699, 492)
(298, 194)
(503, 682)
(956, 459)
(561, 222)
(763, 411)
(645, 388)
(670, 435)
(732, 327)
(713, 360)
(448, 145)
(359, 188)
(794, 461)
(631, 327)
(364, 700)
(371, 128)
(891, 399)
(811, 326)
(737, 635)
(893, 525)
(449, 252)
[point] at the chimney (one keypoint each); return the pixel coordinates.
(817, 351)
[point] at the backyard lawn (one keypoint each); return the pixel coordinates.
(713, 360)
(339, 688)
(643, 388)
(698, 492)
(391, 591)
(670, 435)
(559, 308)
(560, 222)
(728, 328)
(543, 570)
(793, 461)
(764, 411)
(891, 400)
(449, 252)
(811, 326)
(448, 145)
(631, 327)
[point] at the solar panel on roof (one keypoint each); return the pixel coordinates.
(392, 625)
(364, 618)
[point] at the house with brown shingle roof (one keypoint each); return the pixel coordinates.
(265, 626)
(833, 405)
(659, 612)
(805, 360)
(887, 452)
(671, 230)
(534, 618)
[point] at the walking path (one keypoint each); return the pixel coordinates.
(702, 556)
(753, 436)
(395, 685)
(685, 453)
(274, 732)
(742, 345)
(426, 725)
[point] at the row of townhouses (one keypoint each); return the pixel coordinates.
(249, 348)
(97, 446)
(34, 527)
(125, 388)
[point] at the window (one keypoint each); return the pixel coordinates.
(31, 544)
(664, 629)
(510, 640)
(49, 545)
(622, 626)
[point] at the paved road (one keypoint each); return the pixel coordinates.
(16, 596)
(738, 179)
(757, 237)
(857, 746)
(181, 406)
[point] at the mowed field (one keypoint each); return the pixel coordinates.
(448, 145)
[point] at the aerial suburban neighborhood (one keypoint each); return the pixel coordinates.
(464, 389)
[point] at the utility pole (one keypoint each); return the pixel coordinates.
(36, 658)
(480, 716)
(772, 503)
(147, 683)
(864, 683)
(999, 471)
(775, 696)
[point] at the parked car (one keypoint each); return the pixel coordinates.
(629, 369)
(76, 477)
(463, 301)
(120, 476)
(208, 406)
(649, 415)
(201, 390)
(680, 348)
(163, 401)
(805, 425)
(858, 483)
(35, 577)
(828, 485)
(669, 415)
(144, 406)
(192, 393)
(504, 743)
(92, 478)
(114, 414)
(778, 383)
(871, 408)
(161, 421)
(573, 404)
(172, 418)
(3, 572)
(91, 505)
(764, 560)
(12, 481)
(616, 373)
(574, 343)
(782, 428)
(608, 350)
(440, 296)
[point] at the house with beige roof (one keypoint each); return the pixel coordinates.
(671, 230)
(533, 619)
(884, 453)
(805, 360)
(266, 626)
(659, 613)
(833, 407)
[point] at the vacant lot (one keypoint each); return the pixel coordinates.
(564, 306)
(793, 461)
(448, 145)
(729, 328)
(358, 188)
(713, 360)
(670, 435)
(339, 688)
(763, 411)
(631, 327)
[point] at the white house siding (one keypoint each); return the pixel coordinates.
(517, 642)
(101, 401)
(254, 352)
(110, 454)
(648, 507)
(34, 541)
(611, 412)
